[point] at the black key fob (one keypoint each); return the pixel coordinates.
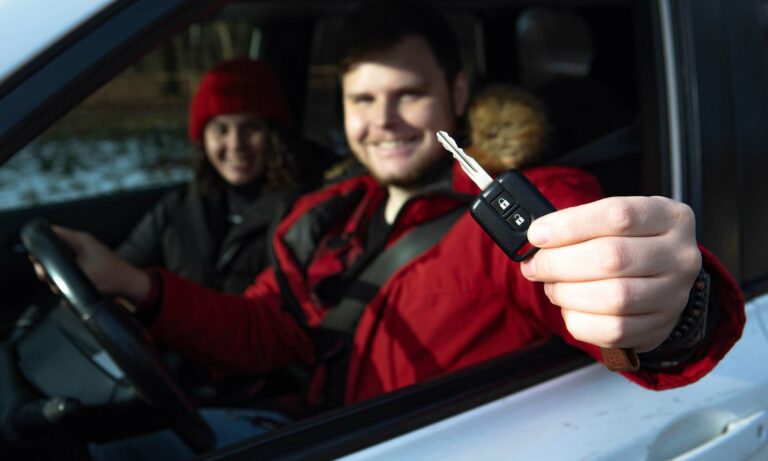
(505, 210)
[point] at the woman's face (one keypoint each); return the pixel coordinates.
(236, 146)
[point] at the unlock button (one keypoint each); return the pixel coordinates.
(519, 219)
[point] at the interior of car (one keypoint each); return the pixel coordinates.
(111, 155)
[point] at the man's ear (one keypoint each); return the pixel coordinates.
(460, 93)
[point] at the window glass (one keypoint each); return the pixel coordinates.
(131, 133)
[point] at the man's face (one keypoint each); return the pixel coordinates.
(394, 102)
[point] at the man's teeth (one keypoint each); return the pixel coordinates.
(392, 144)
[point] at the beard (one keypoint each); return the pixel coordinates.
(420, 173)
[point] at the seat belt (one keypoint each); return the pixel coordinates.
(345, 315)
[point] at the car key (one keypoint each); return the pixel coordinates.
(505, 209)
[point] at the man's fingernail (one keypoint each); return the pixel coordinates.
(539, 233)
(528, 268)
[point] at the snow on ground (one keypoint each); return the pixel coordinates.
(49, 171)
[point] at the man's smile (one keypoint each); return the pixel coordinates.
(395, 147)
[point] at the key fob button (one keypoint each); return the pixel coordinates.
(519, 220)
(504, 203)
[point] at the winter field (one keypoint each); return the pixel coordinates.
(56, 170)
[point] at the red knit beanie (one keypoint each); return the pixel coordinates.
(237, 86)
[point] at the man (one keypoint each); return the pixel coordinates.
(613, 273)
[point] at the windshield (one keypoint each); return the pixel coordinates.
(31, 32)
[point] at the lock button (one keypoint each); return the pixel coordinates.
(503, 204)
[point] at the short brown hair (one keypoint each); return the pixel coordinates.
(379, 25)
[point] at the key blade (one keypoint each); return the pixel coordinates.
(452, 149)
(470, 166)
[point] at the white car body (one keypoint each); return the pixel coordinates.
(593, 414)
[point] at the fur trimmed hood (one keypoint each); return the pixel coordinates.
(507, 127)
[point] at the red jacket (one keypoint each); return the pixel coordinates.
(461, 302)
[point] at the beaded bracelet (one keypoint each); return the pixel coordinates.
(689, 332)
(690, 328)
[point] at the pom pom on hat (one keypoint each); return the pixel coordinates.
(237, 86)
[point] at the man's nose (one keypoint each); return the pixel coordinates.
(386, 112)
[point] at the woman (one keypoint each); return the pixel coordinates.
(215, 231)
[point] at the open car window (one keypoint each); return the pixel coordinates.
(130, 134)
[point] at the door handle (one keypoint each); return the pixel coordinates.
(713, 435)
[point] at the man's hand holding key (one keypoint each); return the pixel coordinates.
(620, 268)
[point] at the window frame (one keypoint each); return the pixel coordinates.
(723, 139)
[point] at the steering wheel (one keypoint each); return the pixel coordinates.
(119, 333)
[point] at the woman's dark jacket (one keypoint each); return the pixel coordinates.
(188, 235)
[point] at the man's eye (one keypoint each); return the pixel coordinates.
(410, 95)
(361, 100)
